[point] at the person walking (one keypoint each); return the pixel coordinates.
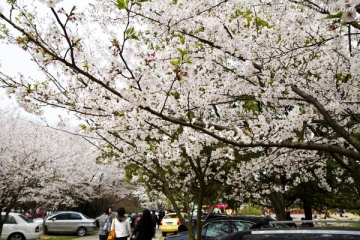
(289, 218)
(104, 224)
(121, 225)
(111, 214)
(145, 227)
(154, 218)
(160, 217)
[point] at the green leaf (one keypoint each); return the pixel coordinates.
(130, 31)
(331, 16)
(183, 52)
(140, 1)
(176, 62)
(188, 60)
(122, 4)
(86, 65)
(130, 34)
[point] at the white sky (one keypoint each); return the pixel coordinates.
(14, 60)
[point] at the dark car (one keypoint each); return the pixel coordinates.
(297, 234)
(204, 218)
(217, 228)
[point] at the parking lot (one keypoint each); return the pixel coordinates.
(348, 216)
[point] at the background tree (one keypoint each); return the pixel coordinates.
(191, 178)
(47, 168)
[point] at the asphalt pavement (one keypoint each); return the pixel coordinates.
(95, 236)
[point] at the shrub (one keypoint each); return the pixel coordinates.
(250, 211)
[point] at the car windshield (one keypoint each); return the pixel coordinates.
(171, 216)
(26, 219)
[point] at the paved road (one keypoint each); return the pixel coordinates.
(95, 236)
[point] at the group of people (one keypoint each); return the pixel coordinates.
(156, 218)
(108, 221)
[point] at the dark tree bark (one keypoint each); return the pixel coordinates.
(277, 201)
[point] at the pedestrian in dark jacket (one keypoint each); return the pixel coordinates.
(160, 217)
(145, 227)
(289, 218)
(154, 218)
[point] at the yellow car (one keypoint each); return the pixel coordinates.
(170, 223)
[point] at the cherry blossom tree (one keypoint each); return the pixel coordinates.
(152, 78)
(189, 179)
(47, 167)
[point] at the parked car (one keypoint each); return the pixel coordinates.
(19, 227)
(69, 222)
(183, 233)
(297, 234)
(218, 227)
(170, 223)
(204, 217)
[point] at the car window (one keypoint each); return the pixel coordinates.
(241, 226)
(26, 219)
(61, 216)
(9, 220)
(215, 230)
(74, 216)
(171, 216)
(272, 225)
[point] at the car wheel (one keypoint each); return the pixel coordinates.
(81, 231)
(16, 236)
(164, 234)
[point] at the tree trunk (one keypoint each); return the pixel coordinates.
(308, 212)
(277, 201)
(307, 209)
(1, 226)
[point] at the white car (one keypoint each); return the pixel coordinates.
(19, 227)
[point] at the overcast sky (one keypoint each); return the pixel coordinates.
(14, 60)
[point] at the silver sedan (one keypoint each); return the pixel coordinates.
(69, 222)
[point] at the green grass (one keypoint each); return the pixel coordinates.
(58, 237)
(355, 225)
(63, 236)
(66, 237)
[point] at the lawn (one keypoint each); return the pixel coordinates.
(63, 236)
(57, 237)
